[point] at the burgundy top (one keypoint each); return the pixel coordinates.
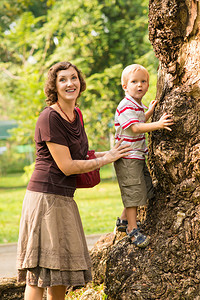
(51, 127)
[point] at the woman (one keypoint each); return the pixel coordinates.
(52, 250)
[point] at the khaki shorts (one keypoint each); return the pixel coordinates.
(134, 181)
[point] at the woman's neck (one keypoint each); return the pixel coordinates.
(66, 110)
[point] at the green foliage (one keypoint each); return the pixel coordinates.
(12, 162)
(10, 10)
(28, 171)
(101, 38)
(98, 290)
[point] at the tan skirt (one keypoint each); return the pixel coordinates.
(52, 249)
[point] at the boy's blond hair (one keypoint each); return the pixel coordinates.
(131, 69)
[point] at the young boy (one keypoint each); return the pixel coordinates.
(132, 173)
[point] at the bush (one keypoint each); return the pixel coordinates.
(28, 170)
(13, 162)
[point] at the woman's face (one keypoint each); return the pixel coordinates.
(67, 85)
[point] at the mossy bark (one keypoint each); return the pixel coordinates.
(169, 268)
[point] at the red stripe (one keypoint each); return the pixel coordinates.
(131, 140)
(134, 103)
(131, 108)
(129, 123)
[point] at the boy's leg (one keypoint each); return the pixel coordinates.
(131, 213)
(133, 232)
(121, 223)
(123, 215)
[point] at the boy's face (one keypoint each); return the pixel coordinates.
(137, 85)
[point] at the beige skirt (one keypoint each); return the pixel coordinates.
(52, 248)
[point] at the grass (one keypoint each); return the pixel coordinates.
(98, 206)
(94, 289)
(11, 181)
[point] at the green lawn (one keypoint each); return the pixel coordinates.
(98, 206)
(11, 181)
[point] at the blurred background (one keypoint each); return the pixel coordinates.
(100, 37)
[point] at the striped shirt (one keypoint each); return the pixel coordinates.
(129, 112)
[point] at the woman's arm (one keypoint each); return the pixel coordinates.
(68, 166)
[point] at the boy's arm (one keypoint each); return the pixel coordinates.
(164, 122)
(150, 111)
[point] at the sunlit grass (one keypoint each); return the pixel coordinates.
(97, 290)
(98, 206)
(10, 211)
(11, 181)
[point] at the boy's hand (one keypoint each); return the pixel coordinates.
(166, 121)
(152, 105)
(150, 111)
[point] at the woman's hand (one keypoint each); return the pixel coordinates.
(100, 154)
(68, 166)
(118, 151)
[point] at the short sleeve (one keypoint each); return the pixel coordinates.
(127, 116)
(49, 128)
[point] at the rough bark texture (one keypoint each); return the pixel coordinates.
(170, 267)
(11, 290)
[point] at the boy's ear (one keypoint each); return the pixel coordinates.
(124, 87)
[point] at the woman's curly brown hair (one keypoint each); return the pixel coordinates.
(50, 86)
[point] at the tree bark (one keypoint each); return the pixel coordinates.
(170, 267)
(10, 289)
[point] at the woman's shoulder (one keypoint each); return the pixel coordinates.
(48, 116)
(48, 113)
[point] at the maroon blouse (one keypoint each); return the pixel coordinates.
(51, 127)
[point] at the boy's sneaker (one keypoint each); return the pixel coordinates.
(121, 225)
(140, 240)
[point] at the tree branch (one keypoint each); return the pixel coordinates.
(10, 74)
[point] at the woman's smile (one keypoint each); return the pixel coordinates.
(67, 84)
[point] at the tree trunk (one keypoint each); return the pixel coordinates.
(10, 289)
(170, 267)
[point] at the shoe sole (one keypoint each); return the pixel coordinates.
(144, 244)
(121, 228)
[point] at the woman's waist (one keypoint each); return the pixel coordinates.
(52, 176)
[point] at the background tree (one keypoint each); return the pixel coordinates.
(100, 37)
(169, 267)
